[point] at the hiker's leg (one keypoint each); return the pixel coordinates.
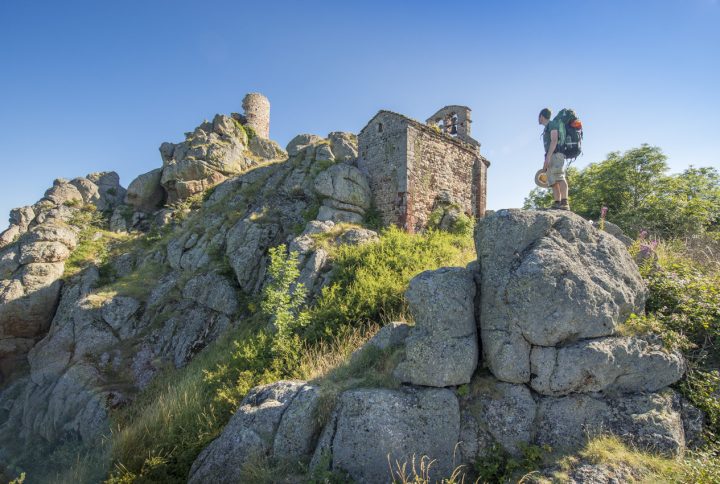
(563, 189)
(557, 192)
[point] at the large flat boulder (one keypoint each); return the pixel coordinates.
(346, 184)
(373, 429)
(651, 421)
(145, 193)
(549, 278)
(273, 420)
(442, 348)
(496, 412)
(610, 365)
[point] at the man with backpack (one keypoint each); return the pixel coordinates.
(553, 135)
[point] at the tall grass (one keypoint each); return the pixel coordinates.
(370, 280)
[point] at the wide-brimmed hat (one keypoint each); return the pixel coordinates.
(541, 179)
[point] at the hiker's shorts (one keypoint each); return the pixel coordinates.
(556, 173)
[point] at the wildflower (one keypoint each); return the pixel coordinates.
(603, 212)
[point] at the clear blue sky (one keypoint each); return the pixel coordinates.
(93, 85)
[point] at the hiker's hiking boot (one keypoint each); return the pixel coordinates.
(564, 204)
(556, 205)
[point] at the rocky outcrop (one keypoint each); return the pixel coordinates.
(648, 421)
(610, 365)
(313, 259)
(103, 345)
(511, 415)
(145, 193)
(499, 412)
(303, 143)
(344, 146)
(210, 154)
(346, 193)
(549, 279)
(273, 421)
(30, 272)
(553, 292)
(442, 347)
(374, 430)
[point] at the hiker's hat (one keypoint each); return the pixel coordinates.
(541, 179)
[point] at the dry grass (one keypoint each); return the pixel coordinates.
(420, 471)
(611, 451)
(319, 360)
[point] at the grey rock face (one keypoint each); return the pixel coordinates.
(373, 426)
(389, 336)
(89, 191)
(300, 142)
(210, 154)
(442, 348)
(344, 146)
(499, 412)
(111, 192)
(9, 235)
(324, 153)
(610, 365)
(549, 278)
(22, 216)
(358, 236)
(330, 214)
(213, 291)
(617, 232)
(346, 184)
(145, 193)
(62, 192)
(43, 252)
(266, 149)
(52, 233)
(246, 245)
(647, 420)
(273, 420)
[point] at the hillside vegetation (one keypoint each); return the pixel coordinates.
(289, 332)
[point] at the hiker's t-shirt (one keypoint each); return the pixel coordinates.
(554, 124)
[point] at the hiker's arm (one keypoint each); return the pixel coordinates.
(551, 148)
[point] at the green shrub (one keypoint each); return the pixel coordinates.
(499, 466)
(683, 307)
(95, 243)
(283, 303)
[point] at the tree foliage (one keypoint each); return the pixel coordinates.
(640, 194)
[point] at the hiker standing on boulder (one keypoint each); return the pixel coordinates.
(554, 161)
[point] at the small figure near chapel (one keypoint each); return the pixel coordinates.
(554, 161)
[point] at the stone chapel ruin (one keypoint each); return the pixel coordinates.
(415, 168)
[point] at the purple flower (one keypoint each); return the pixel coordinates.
(643, 234)
(603, 212)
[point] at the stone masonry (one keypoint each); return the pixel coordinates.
(257, 113)
(414, 168)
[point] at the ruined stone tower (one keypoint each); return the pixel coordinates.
(257, 113)
(415, 168)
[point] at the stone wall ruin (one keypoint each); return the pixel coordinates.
(414, 168)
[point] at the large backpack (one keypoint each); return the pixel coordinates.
(569, 142)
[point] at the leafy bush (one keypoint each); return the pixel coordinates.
(283, 302)
(499, 466)
(95, 242)
(684, 308)
(640, 195)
